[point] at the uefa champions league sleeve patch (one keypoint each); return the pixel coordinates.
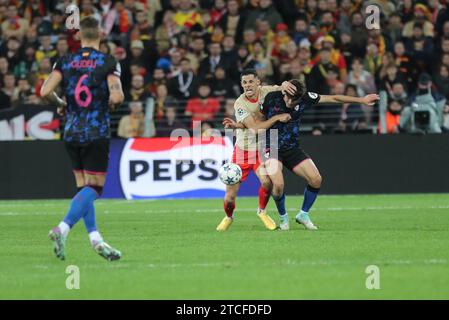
(241, 113)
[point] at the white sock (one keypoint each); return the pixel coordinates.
(95, 236)
(65, 228)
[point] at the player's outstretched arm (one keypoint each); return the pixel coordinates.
(369, 99)
(286, 86)
(251, 123)
(48, 90)
(116, 95)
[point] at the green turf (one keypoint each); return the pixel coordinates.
(172, 251)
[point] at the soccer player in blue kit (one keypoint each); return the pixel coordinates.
(286, 151)
(91, 84)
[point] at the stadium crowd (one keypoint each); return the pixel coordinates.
(181, 59)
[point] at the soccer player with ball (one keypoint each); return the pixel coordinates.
(246, 155)
(286, 151)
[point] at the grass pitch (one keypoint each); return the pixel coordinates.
(172, 251)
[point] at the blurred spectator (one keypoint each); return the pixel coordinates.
(62, 48)
(446, 118)
(46, 50)
(398, 93)
(208, 130)
(132, 125)
(182, 85)
(170, 122)
(301, 30)
(442, 81)
(197, 53)
(421, 16)
(222, 86)
(14, 25)
(161, 100)
(389, 114)
(166, 31)
(420, 48)
(232, 21)
(352, 117)
(317, 80)
(158, 79)
(204, 107)
(186, 14)
(42, 73)
(25, 93)
(265, 11)
(361, 78)
(137, 91)
(212, 61)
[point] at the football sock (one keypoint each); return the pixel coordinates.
(89, 217)
(64, 227)
(79, 205)
(280, 204)
(310, 195)
(264, 197)
(229, 208)
(95, 236)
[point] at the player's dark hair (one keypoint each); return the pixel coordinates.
(300, 90)
(90, 28)
(248, 72)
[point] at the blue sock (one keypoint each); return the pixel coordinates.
(79, 206)
(280, 204)
(310, 195)
(89, 219)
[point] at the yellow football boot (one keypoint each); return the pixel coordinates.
(266, 219)
(225, 224)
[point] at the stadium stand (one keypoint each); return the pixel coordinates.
(167, 49)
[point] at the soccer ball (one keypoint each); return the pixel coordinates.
(230, 173)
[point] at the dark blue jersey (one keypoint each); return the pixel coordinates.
(85, 85)
(288, 133)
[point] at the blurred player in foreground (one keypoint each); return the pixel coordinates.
(286, 151)
(246, 155)
(91, 84)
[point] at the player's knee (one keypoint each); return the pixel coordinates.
(230, 197)
(278, 189)
(316, 181)
(267, 184)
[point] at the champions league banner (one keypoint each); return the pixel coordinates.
(169, 168)
(29, 122)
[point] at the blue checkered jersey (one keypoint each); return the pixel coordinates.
(85, 85)
(288, 133)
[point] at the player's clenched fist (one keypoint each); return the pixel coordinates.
(285, 117)
(370, 99)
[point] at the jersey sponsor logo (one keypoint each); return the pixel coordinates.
(83, 64)
(313, 95)
(162, 168)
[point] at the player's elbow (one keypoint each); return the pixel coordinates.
(44, 92)
(117, 98)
